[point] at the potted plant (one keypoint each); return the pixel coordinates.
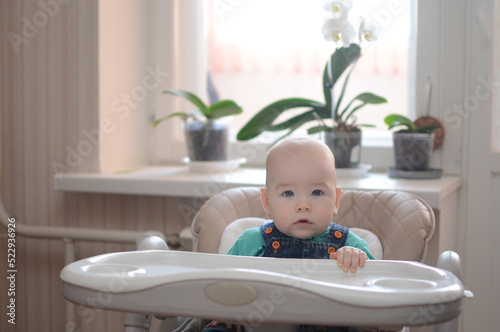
(414, 144)
(342, 132)
(207, 138)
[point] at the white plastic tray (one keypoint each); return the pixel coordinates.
(388, 293)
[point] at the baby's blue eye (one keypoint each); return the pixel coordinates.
(288, 193)
(317, 192)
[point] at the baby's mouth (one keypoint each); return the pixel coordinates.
(303, 222)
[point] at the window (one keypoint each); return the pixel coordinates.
(260, 51)
(175, 48)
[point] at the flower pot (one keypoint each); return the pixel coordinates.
(207, 140)
(346, 147)
(412, 151)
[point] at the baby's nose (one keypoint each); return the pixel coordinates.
(303, 206)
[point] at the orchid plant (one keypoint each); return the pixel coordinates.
(338, 29)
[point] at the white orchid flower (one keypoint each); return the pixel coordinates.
(338, 30)
(368, 31)
(338, 8)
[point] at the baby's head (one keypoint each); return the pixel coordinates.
(301, 193)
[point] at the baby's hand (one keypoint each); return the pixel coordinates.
(349, 258)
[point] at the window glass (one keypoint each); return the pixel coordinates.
(260, 51)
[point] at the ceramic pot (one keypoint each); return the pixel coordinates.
(346, 147)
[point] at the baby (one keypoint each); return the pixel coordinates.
(301, 197)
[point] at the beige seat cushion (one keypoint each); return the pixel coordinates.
(235, 229)
(219, 211)
(402, 222)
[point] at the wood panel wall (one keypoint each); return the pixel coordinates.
(49, 96)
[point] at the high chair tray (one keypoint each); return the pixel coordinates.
(252, 289)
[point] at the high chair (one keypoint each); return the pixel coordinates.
(388, 293)
(403, 223)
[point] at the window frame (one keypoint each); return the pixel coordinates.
(430, 54)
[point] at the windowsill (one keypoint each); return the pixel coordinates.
(177, 181)
(376, 149)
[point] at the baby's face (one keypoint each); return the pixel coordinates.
(301, 194)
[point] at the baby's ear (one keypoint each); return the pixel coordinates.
(265, 200)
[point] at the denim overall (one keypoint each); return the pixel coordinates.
(282, 246)
(279, 245)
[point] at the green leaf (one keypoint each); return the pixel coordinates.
(341, 59)
(370, 98)
(395, 120)
(223, 108)
(301, 119)
(319, 129)
(336, 116)
(353, 111)
(364, 98)
(290, 131)
(264, 119)
(327, 89)
(184, 116)
(189, 96)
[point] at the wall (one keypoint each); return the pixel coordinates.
(478, 234)
(49, 102)
(126, 82)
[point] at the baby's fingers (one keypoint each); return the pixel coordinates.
(349, 258)
(230, 326)
(355, 257)
(342, 258)
(362, 258)
(358, 259)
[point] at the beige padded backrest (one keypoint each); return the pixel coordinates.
(403, 222)
(219, 211)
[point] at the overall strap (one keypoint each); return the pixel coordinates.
(269, 230)
(337, 235)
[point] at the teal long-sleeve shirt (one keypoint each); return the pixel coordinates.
(251, 243)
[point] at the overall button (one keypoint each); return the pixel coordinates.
(268, 230)
(275, 245)
(338, 234)
(330, 250)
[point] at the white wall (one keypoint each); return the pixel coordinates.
(479, 212)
